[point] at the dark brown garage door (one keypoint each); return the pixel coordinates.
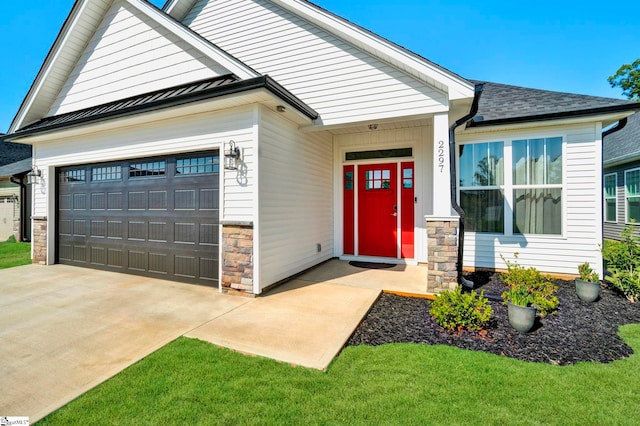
(156, 217)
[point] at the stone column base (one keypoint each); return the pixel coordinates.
(39, 240)
(442, 252)
(237, 258)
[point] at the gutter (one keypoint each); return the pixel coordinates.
(454, 181)
(23, 197)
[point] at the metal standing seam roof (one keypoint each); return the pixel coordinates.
(624, 145)
(177, 95)
(502, 104)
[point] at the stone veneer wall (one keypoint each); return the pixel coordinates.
(39, 240)
(442, 251)
(237, 258)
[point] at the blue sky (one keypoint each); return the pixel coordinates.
(562, 45)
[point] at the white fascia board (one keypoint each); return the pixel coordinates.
(458, 88)
(50, 61)
(214, 52)
(178, 9)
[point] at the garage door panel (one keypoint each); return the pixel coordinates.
(121, 217)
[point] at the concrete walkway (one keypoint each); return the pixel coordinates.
(64, 330)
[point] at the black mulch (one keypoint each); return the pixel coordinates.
(579, 331)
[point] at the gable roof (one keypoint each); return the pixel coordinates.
(505, 104)
(443, 79)
(77, 30)
(172, 96)
(16, 168)
(624, 145)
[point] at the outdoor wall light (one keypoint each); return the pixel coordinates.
(33, 177)
(232, 157)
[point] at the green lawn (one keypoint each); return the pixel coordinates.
(191, 382)
(14, 254)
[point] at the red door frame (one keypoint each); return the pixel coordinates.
(353, 183)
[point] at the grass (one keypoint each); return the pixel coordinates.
(14, 254)
(192, 382)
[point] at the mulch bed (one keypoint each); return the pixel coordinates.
(579, 331)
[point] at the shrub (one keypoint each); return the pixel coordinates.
(622, 259)
(11, 239)
(455, 310)
(587, 274)
(528, 286)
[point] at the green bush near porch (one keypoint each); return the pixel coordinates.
(192, 382)
(13, 253)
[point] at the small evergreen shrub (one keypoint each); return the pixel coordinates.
(528, 286)
(458, 311)
(11, 239)
(587, 274)
(622, 259)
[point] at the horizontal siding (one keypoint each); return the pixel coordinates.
(192, 133)
(582, 207)
(130, 55)
(296, 193)
(613, 230)
(341, 82)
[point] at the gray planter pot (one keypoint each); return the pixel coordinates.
(522, 318)
(587, 292)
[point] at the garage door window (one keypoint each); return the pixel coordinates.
(197, 165)
(152, 168)
(107, 173)
(71, 176)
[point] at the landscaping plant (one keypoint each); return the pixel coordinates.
(587, 274)
(622, 259)
(458, 311)
(528, 286)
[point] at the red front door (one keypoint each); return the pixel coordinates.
(378, 210)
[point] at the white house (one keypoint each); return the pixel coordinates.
(342, 144)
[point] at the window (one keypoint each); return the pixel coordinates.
(537, 186)
(151, 168)
(380, 153)
(71, 176)
(106, 173)
(632, 193)
(512, 187)
(407, 178)
(197, 165)
(348, 180)
(610, 197)
(481, 186)
(378, 179)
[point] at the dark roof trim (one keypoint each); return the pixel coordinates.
(555, 115)
(161, 99)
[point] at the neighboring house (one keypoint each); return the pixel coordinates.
(15, 197)
(622, 179)
(238, 143)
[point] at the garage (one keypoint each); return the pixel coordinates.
(155, 217)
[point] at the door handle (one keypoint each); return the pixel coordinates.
(394, 214)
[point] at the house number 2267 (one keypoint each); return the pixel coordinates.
(441, 156)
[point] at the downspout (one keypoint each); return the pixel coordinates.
(23, 196)
(454, 181)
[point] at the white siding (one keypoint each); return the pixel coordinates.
(582, 210)
(343, 83)
(127, 56)
(418, 138)
(296, 193)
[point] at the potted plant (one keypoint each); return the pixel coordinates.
(522, 313)
(588, 285)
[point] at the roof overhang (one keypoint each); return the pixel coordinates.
(16, 169)
(260, 90)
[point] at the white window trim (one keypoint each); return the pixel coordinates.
(615, 196)
(507, 187)
(626, 198)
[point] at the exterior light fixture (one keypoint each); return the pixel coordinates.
(281, 108)
(232, 157)
(33, 177)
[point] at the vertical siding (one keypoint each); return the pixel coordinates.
(612, 230)
(420, 139)
(341, 82)
(127, 56)
(296, 193)
(582, 208)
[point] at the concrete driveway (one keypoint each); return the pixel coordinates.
(63, 330)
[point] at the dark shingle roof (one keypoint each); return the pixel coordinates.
(623, 145)
(502, 104)
(16, 168)
(11, 152)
